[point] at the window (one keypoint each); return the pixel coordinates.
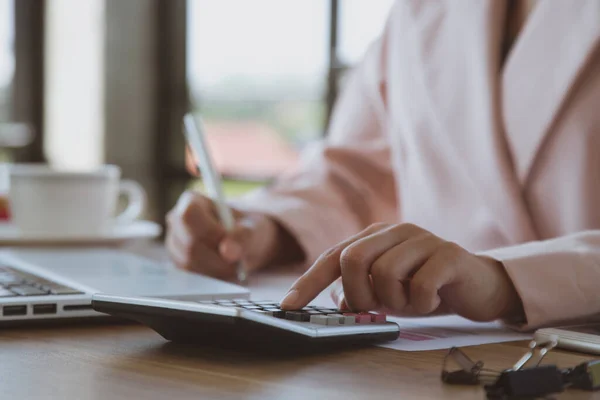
(260, 74)
(361, 22)
(257, 71)
(6, 56)
(73, 83)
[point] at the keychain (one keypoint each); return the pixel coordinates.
(470, 372)
(532, 382)
(520, 382)
(585, 376)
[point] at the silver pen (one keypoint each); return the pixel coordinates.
(194, 133)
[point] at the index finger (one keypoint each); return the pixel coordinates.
(321, 274)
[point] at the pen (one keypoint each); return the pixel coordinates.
(194, 133)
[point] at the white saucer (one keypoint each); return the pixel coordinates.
(10, 235)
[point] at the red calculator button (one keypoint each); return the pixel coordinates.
(363, 318)
(378, 318)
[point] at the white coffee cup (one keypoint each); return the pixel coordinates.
(51, 202)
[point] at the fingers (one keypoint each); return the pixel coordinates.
(377, 268)
(392, 271)
(437, 272)
(197, 241)
(194, 216)
(322, 273)
(357, 259)
(190, 162)
(193, 236)
(196, 257)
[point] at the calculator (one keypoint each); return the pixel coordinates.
(248, 322)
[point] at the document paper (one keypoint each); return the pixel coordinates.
(435, 333)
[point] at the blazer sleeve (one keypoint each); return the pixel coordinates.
(346, 182)
(558, 280)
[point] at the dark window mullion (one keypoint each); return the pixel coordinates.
(27, 103)
(333, 73)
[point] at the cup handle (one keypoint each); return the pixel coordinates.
(136, 201)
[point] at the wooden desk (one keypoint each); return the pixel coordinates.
(133, 362)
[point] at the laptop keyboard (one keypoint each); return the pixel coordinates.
(14, 283)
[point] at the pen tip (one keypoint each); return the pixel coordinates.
(242, 277)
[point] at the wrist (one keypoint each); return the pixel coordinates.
(514, 314)
(512, 310)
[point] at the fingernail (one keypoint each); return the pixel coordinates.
(337, 296)
(290, 299)
(334, 293)
(230, 250)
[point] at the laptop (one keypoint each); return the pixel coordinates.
(55, 284)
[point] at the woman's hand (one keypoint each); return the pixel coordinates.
(406, 270)
(196, 240)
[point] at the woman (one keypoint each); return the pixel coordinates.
(461, 173)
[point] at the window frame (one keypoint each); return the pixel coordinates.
(27, 102)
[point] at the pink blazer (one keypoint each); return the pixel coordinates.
(502, 159)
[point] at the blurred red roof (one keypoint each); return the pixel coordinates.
(249, 149)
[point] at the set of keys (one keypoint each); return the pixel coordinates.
(519, 381)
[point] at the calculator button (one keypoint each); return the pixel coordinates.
(278, 314)
(252, 308)
(331, 320)
(343, 319)
(360, 318)
(318, 319)
(271, 309)
(243, 302)
(363, 319)
(378, 318)
(371, 316)
(263, 312)
(297, 316)
(328, 310)
(225, 303)
(266, 303)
